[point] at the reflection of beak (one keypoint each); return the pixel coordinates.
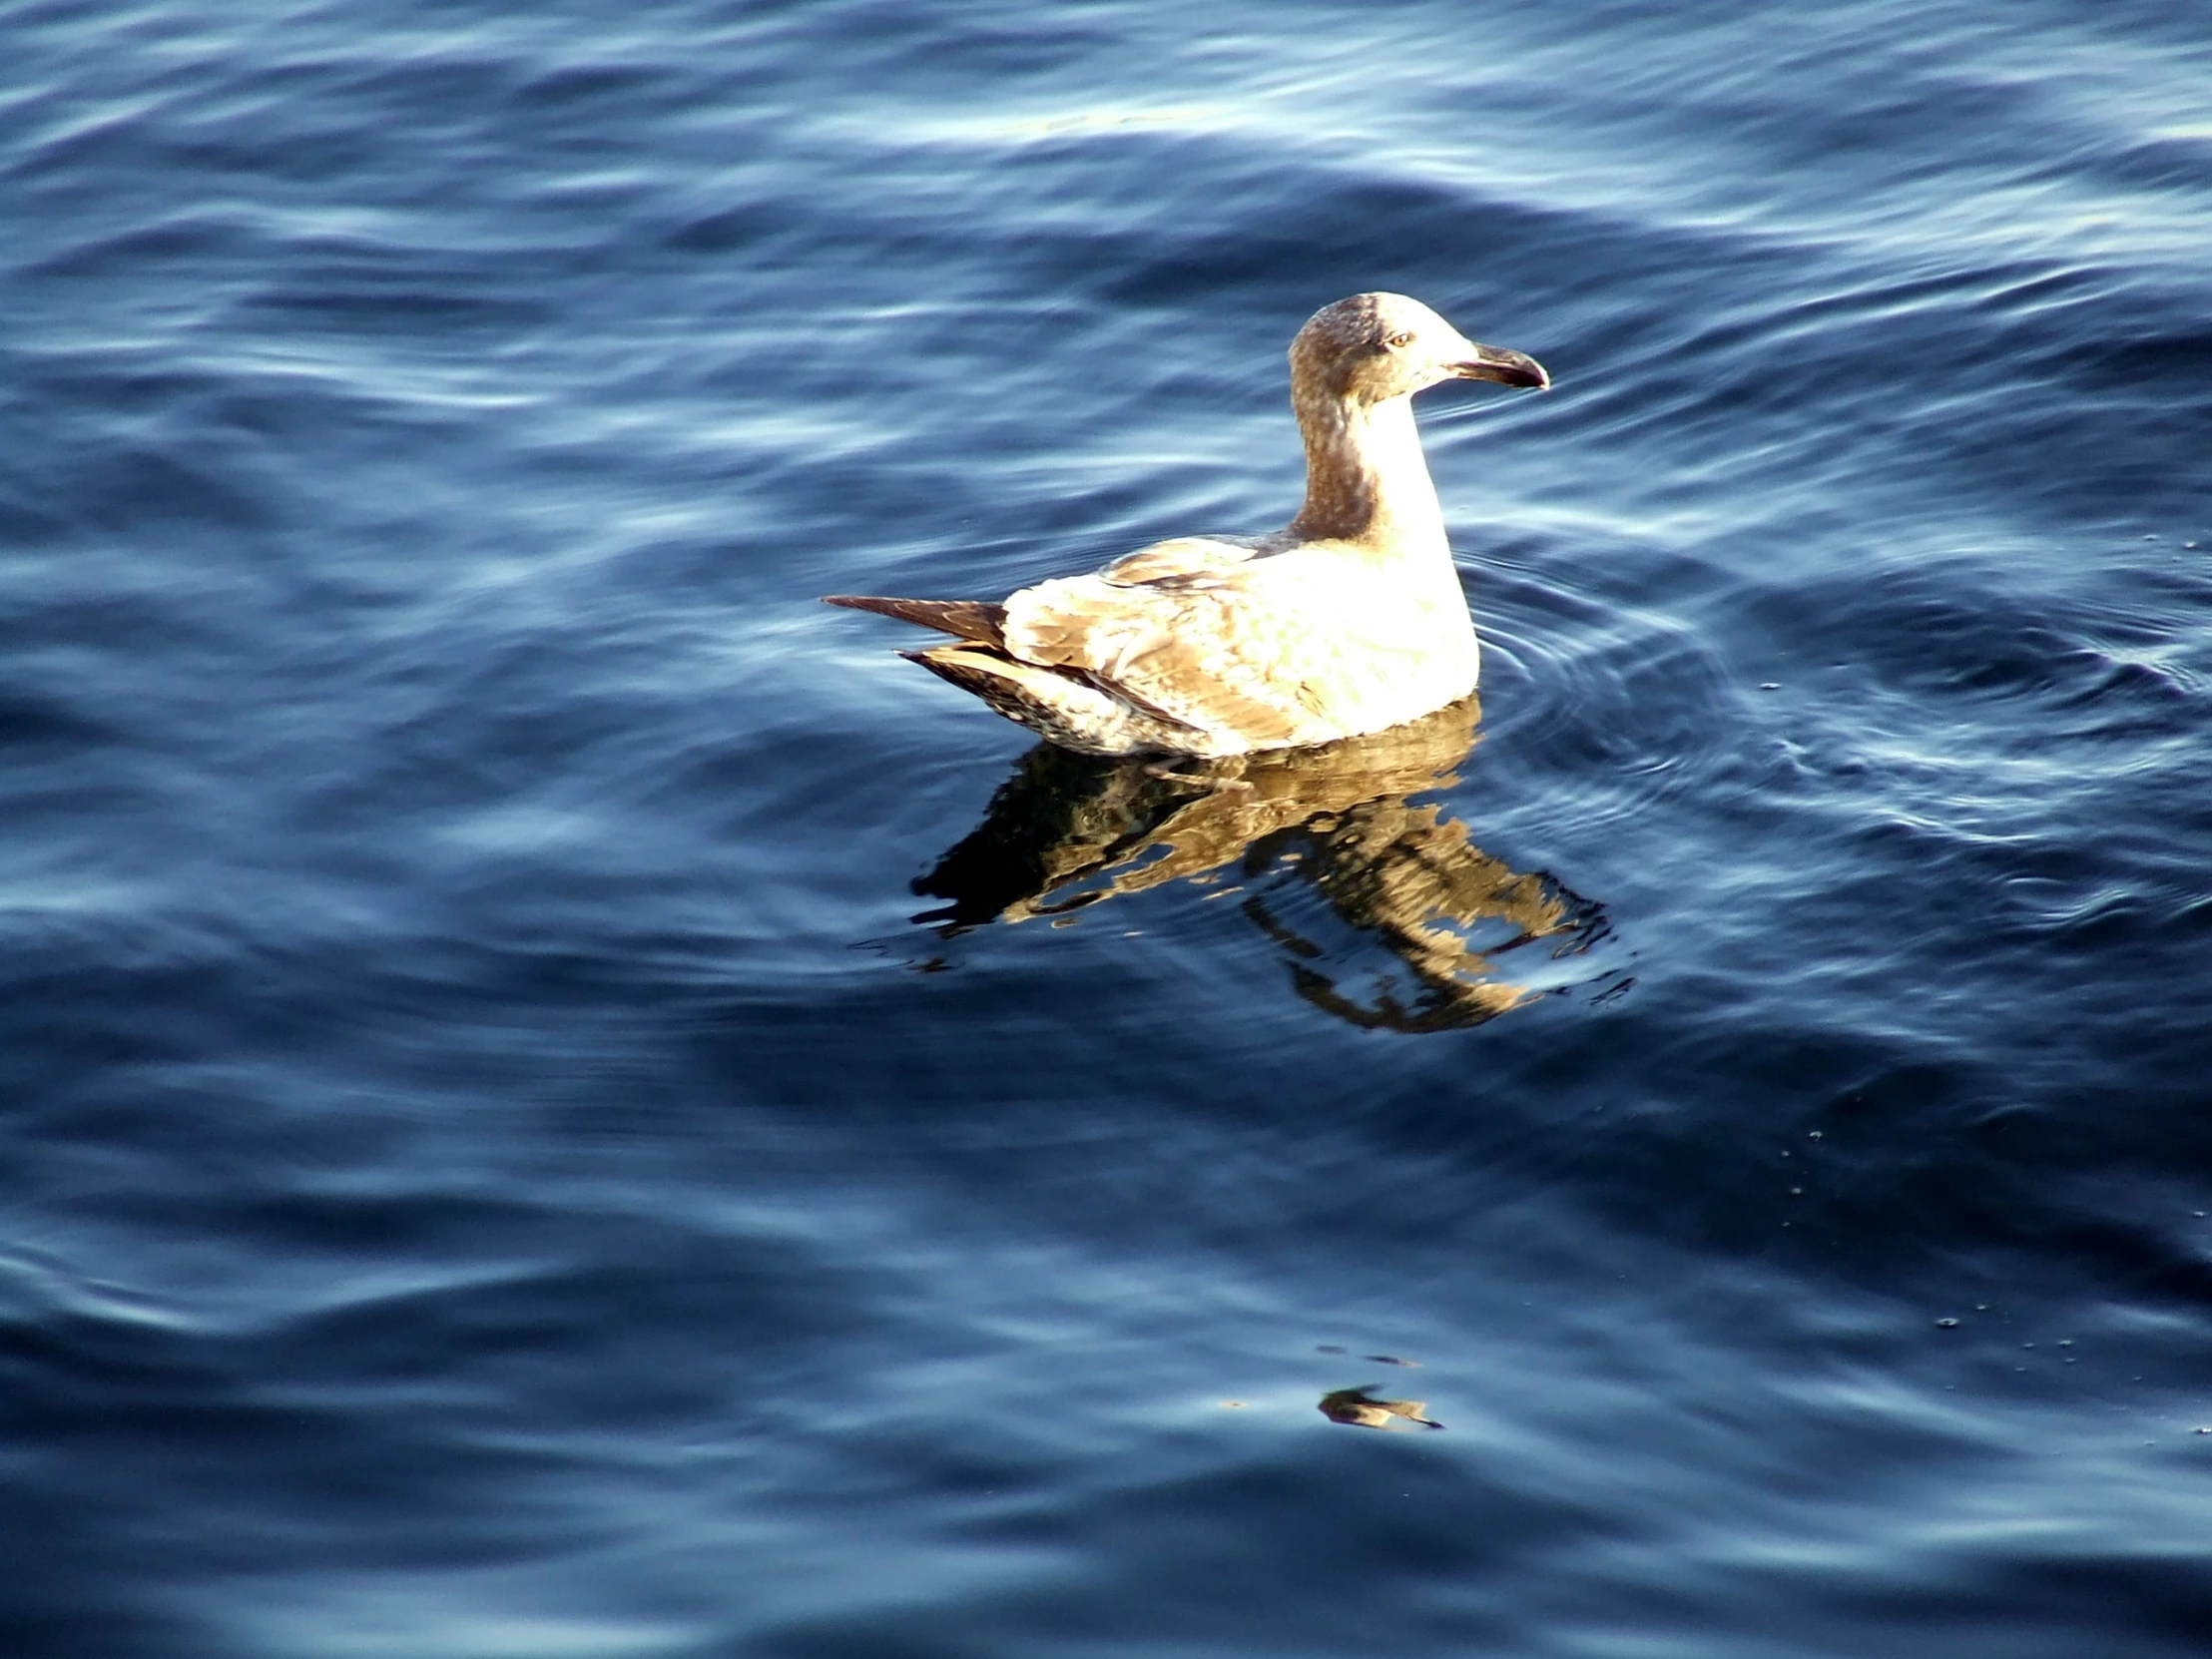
(1508, 368)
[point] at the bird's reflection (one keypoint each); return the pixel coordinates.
(1316, 840)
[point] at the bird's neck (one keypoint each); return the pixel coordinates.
(1366, 480)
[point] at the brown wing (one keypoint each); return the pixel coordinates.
(1223, 652)
(1179, 560)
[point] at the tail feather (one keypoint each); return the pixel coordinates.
(968, 618)
(1020, 691)
(1072, 708)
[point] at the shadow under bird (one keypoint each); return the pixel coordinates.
(1350, 620)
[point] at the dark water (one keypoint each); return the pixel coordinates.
(493, 1165)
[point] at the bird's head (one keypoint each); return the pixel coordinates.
(1373, 347)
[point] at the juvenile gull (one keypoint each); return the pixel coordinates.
(1349, 620)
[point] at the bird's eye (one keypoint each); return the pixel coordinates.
(1400, 341)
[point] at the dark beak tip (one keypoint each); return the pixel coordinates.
(1506, 370)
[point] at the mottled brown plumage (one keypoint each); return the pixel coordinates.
(1350, 620)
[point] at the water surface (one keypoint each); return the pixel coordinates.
(559, 1099)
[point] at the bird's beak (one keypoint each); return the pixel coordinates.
(1494, 362)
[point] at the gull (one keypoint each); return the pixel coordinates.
(1349, 620)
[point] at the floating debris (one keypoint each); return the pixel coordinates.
(1360, 1409)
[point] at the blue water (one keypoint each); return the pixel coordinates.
(495, 1165)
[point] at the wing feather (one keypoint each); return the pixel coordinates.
(1209, 644)
(1185, 558)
